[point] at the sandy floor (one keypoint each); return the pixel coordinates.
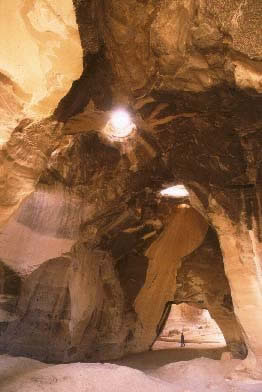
(164, 370)
(164, 353)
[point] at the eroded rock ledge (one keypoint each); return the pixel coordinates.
(190, 74)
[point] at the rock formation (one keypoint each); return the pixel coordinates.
(201, 282)
(96, 252)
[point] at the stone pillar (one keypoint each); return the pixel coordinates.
(231, 331)
(184, 233)
(241, 246)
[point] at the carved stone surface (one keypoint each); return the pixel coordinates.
(48, 57)
(201, 281)
(110, 248)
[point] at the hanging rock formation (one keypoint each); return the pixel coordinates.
(111, 250)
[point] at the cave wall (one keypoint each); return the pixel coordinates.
(69, 309)
(185, 232)
(195, 96)
(201, 282)
(94, 304)
(42, 67)
(194, 45)
(39, 62)
(46, 226)
(241, 247)
(10, 288)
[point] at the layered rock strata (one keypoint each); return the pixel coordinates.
(190, 74)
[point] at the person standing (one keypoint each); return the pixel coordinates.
(182, 340)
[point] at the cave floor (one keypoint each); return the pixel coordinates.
(154, 371)
(164, 353)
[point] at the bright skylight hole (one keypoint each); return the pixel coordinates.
(121, 124)
(120, 119)
(175, 191)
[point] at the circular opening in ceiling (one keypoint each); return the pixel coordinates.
(120, 125)
(175, 191)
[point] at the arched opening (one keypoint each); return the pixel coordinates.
(200, 330)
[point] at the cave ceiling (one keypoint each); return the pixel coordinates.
(189, 73)
(189, 78)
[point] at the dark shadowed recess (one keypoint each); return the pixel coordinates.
(10, 287)
(132, 275)
(94, 83)
(10, 282)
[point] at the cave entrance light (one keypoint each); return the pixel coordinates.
(199, 328)
(120, 125)
(175, 191)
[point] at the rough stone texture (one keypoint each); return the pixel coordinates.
(83, 308)
(22, 160)
(241, 247)
(51, 218)
(49, 55)
(185, 45)
(226, 189)
(11, 105)
(10, 284)
(184, 233)
(190, 74)
(90, 305)
(241, 20)
(9, 281)
(201, 282)
(126, 35)
(38, 64)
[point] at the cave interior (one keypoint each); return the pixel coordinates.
(130, 175)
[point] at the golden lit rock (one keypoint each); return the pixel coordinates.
(40, 51)
(94, 249)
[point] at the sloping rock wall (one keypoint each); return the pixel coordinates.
(88, 305)
(241, 247)
(38, 64)
(185, 232)
(10, 285)
(190, 73)
(69, 309)
(49, 56)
